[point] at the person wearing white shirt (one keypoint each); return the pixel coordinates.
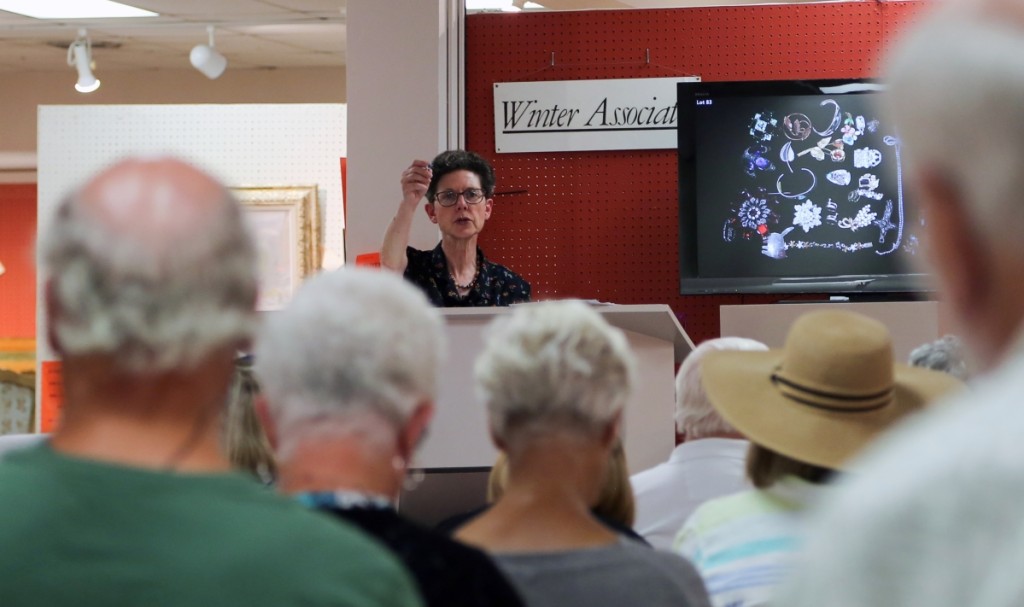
(709, 463)
(934, 517)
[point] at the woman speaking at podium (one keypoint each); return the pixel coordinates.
(459, 188)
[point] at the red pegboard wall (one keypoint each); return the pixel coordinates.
(604, 225)
(18, 282)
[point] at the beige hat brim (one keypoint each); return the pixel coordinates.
(740, 386)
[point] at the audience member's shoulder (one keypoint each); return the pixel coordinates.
(922, 489)
(298, 521)
(12, 443)
(672, 568)
(719, 510)
(958, 447)
(650, 478)
(323, 548)
(26, 464)
(397, 532)
(661, 560)
(448, 572)
(471, 565)
(20, 452)
(968, 427)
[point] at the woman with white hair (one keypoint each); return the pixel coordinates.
(555, 378)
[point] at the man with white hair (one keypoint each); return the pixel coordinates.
(709, 463)
(150, 288)
(349, 377)
(932, 516)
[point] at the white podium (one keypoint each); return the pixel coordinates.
(459, 437)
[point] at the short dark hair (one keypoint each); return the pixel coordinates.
(461, 160)
(766, 467)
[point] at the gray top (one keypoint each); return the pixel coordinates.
(622, 574)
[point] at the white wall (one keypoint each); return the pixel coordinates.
(19, 103)
(17, 167)
(910, 323)
(398, 86)
(254, 145)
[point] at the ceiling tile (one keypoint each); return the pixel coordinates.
(13, 18)
(251, 33)
(206, 9)
(255, 33)
(334, 6)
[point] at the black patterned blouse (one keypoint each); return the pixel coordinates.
(495, 286)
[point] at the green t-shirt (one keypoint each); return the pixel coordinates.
(82, 533)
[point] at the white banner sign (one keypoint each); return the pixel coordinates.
(571, 115)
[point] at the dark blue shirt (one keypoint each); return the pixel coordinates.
(449, 574)
(496, 285)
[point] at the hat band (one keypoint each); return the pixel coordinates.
(832, 401)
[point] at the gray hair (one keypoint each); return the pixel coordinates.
(946, 354)
(956, 89)
(351, 341)
(150, 306)
(556, 361)
(695, 416)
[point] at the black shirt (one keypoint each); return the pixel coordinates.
(452, 524)
(446, 572)
(496, 285)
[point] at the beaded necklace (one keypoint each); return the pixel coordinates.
(470, 284)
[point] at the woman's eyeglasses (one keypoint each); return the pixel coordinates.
(448, 198)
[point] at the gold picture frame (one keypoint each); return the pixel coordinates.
(18, 355)
(285, 222)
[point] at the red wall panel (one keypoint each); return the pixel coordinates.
(604, 225)
(17, 239)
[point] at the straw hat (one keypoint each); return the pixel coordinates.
(826, 394)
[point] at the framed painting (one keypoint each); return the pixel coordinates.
(285, 222)
(18, 355)
(17, 385)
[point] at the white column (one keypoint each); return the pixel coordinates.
(404, 91)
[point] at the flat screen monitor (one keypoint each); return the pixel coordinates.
(792, 186)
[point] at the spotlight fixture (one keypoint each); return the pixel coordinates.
(206, 59)
(80, 57)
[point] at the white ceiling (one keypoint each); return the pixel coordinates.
(251, 33)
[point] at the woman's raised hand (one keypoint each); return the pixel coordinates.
(415, 181)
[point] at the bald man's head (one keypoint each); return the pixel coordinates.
(153, 202)
(150, 264)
